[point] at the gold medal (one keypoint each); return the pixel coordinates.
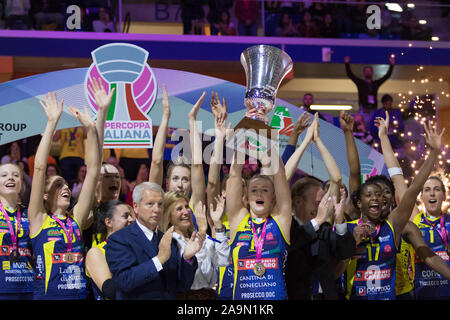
(259, 269)
(70, 258)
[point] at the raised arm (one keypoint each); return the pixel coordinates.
(156, 167)
(36, 211)
(93, 164)
(349, 72)
(282, 193)
(103, 101)
(354, 182)
(401, 214)
(300, 125)
(330, 164)
(391, 161)
(234, 207)
(213, 186)
(294, 160)
(197, 173)
(424, 252)
(389, 72)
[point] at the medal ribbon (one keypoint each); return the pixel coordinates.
(443, 233)
(372, 236)
(259, 241)
(14, 238)
(68, 233)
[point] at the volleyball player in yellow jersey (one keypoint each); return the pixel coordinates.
(259, 232)
(55, 233)
(111, 216)
(181, 177)
(412, 243)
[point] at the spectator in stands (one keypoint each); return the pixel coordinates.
(18, 11)
(286, 27)
(328, 28)
(396, 126)
(318, 12)
(48, 14)
(308, 27)
(411, 30)
(71, 157)
(78, 183)
(225, 26)
(104, 23)
(52, 170)
(247, 13)
(358, 18)
(192, 15)
(215, 14)
(271, 16)
(14, 154)
(359, 129)
(368, 88)
(341, 12)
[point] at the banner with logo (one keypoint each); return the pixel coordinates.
(22, 116)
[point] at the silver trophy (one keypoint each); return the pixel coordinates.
(265, 67)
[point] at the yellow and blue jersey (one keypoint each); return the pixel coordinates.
(98, 295)
(57, 277)
(225, 274)
(246, 284)
(16, 277)
(370, 274)
(404, 281)
(428, 284)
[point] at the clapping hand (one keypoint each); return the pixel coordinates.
(192, 115)
(217, 107)
(194, 245)
(164, 247)
(216, 215)
(339, 207)
(200, 217)
(302, 123)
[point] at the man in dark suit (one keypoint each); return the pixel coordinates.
(145, 263)
(316, 252)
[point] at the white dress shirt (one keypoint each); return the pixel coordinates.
(149, 234)
(210, 256)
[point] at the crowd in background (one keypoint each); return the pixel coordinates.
(230, 17)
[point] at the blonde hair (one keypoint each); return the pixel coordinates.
(170, 200)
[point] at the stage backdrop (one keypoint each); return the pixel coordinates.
(22, 116)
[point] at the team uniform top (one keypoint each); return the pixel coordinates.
(98, 295)
(59, 274)
(404, 281)
(370, 274)
(225, 274)
(16, 277)
(428, 284)
(246, 284)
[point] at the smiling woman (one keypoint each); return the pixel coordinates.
(56, 233)
(15, 231)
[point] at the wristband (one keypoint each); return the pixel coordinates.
(190, 261)
(221, 229)
(395, 171)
